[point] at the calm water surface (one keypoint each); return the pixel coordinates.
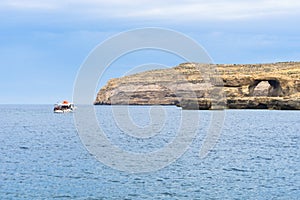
(42, 157)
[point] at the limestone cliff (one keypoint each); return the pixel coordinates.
(209, 86)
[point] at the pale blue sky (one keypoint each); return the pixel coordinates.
(43, 43)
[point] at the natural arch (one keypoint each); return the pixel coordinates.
(270, 88)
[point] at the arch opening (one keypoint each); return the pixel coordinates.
(269, 88)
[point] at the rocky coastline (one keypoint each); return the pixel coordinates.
(209, 87)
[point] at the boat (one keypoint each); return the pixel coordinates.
(64, 107)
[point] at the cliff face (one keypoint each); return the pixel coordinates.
(208, 86)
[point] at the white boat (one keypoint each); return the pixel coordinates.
(64, 107)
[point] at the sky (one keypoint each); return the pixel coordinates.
(44, 43)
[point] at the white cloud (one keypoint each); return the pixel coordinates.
(27, 5)
(188, 10)
(221, 10)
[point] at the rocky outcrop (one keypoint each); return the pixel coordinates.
(209, 86)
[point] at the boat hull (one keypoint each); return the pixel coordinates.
(63, 111)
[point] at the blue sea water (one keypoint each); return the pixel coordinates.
(42, 157)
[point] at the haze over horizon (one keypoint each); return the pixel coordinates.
(43, 43)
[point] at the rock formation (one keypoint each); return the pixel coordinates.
(209, 86)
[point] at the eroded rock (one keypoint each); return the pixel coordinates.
(209, 86)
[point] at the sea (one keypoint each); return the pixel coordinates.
(256, 155)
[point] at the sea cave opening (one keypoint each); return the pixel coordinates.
(269, 88)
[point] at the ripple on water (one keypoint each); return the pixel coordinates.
(42, 157)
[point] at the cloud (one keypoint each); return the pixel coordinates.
(218, 10)
(188, 10)
(27, 5)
